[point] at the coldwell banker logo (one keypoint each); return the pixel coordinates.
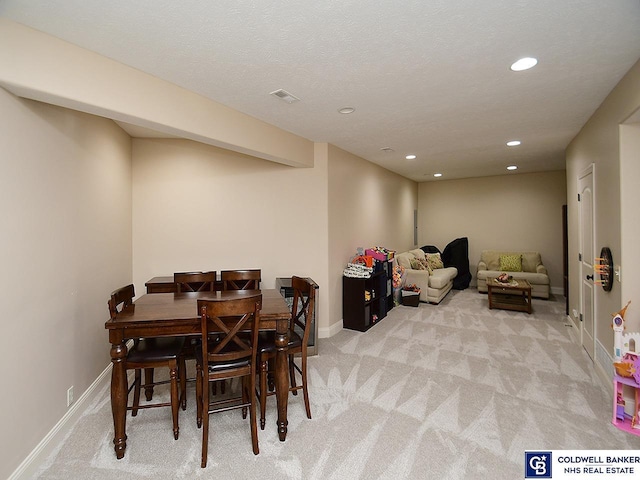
(537, 465)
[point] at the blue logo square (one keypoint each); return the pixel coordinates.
(537, 465)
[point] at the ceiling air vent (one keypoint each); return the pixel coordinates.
(286, 96)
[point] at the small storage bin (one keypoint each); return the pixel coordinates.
(410, 299)
(381, 257)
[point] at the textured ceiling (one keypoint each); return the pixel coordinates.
(430, 77)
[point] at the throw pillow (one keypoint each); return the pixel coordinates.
(434, 261)
(425, 264)
(511, 263)
(416, 264)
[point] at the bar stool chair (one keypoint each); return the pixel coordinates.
(299, 329)
(195, 281)
(232, 355)
(241, 279)
(150, 353)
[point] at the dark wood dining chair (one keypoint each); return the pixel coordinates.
(299, 328)
(195, 281)
(241, 279)
(150, 353)
(231, 355)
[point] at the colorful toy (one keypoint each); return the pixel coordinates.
(620, 403)
(627, 366)
(397, 282)
(619, 339)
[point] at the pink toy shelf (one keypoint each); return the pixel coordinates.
(627, 365)
(621, 418)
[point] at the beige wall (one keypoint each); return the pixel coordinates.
(368, 206)
(41, 67)
(616, 196)
(197, 207)
(508, 212)
(66, 243)
(630, 226)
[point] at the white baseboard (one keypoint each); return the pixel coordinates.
(603, 362)
(331, 331)
(30, 466)
(557, 291)
(604, 366)
(574, 332)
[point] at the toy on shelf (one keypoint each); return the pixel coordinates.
(397, 282)
(620, 403)
(620, 339)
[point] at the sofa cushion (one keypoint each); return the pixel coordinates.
(511, 263)
(440, 277)
(404, 260)
(530, 260)
(419, 254)
(533, 278)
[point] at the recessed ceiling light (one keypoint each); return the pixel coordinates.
(437, 175)
(512, 167)
(346, 110)
(513, 143)
(387, 149)
(410, 157)
(524, 64)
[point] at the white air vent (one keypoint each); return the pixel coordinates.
(286, 96)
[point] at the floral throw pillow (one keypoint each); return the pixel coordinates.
(416, 264)
(511, 263)
(434, 261)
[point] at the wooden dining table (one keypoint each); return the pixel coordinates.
(176, 314)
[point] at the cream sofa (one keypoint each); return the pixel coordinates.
(433, 287)
(532, 270)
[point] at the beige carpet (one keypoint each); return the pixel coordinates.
(453, 391)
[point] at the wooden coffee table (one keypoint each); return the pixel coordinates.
(515, 295)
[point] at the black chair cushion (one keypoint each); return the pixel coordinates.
(221, 366)
(156, 349)
(267, 341)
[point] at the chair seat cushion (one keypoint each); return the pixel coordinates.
(267, 342)
(221, 366)
(156, 349)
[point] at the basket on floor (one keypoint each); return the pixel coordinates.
(410, 299)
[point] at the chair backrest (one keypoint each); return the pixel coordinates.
(122, 297)
(304, 298)
(241, 279)
(195, 281)
(230, 319)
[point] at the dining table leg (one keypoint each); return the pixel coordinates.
(119, 396)
(282, 376)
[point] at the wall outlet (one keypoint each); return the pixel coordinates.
(70, 396)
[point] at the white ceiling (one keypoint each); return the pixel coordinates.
(428, 77)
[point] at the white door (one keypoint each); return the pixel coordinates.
(586, 258)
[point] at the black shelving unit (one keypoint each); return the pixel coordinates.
(361, 311)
